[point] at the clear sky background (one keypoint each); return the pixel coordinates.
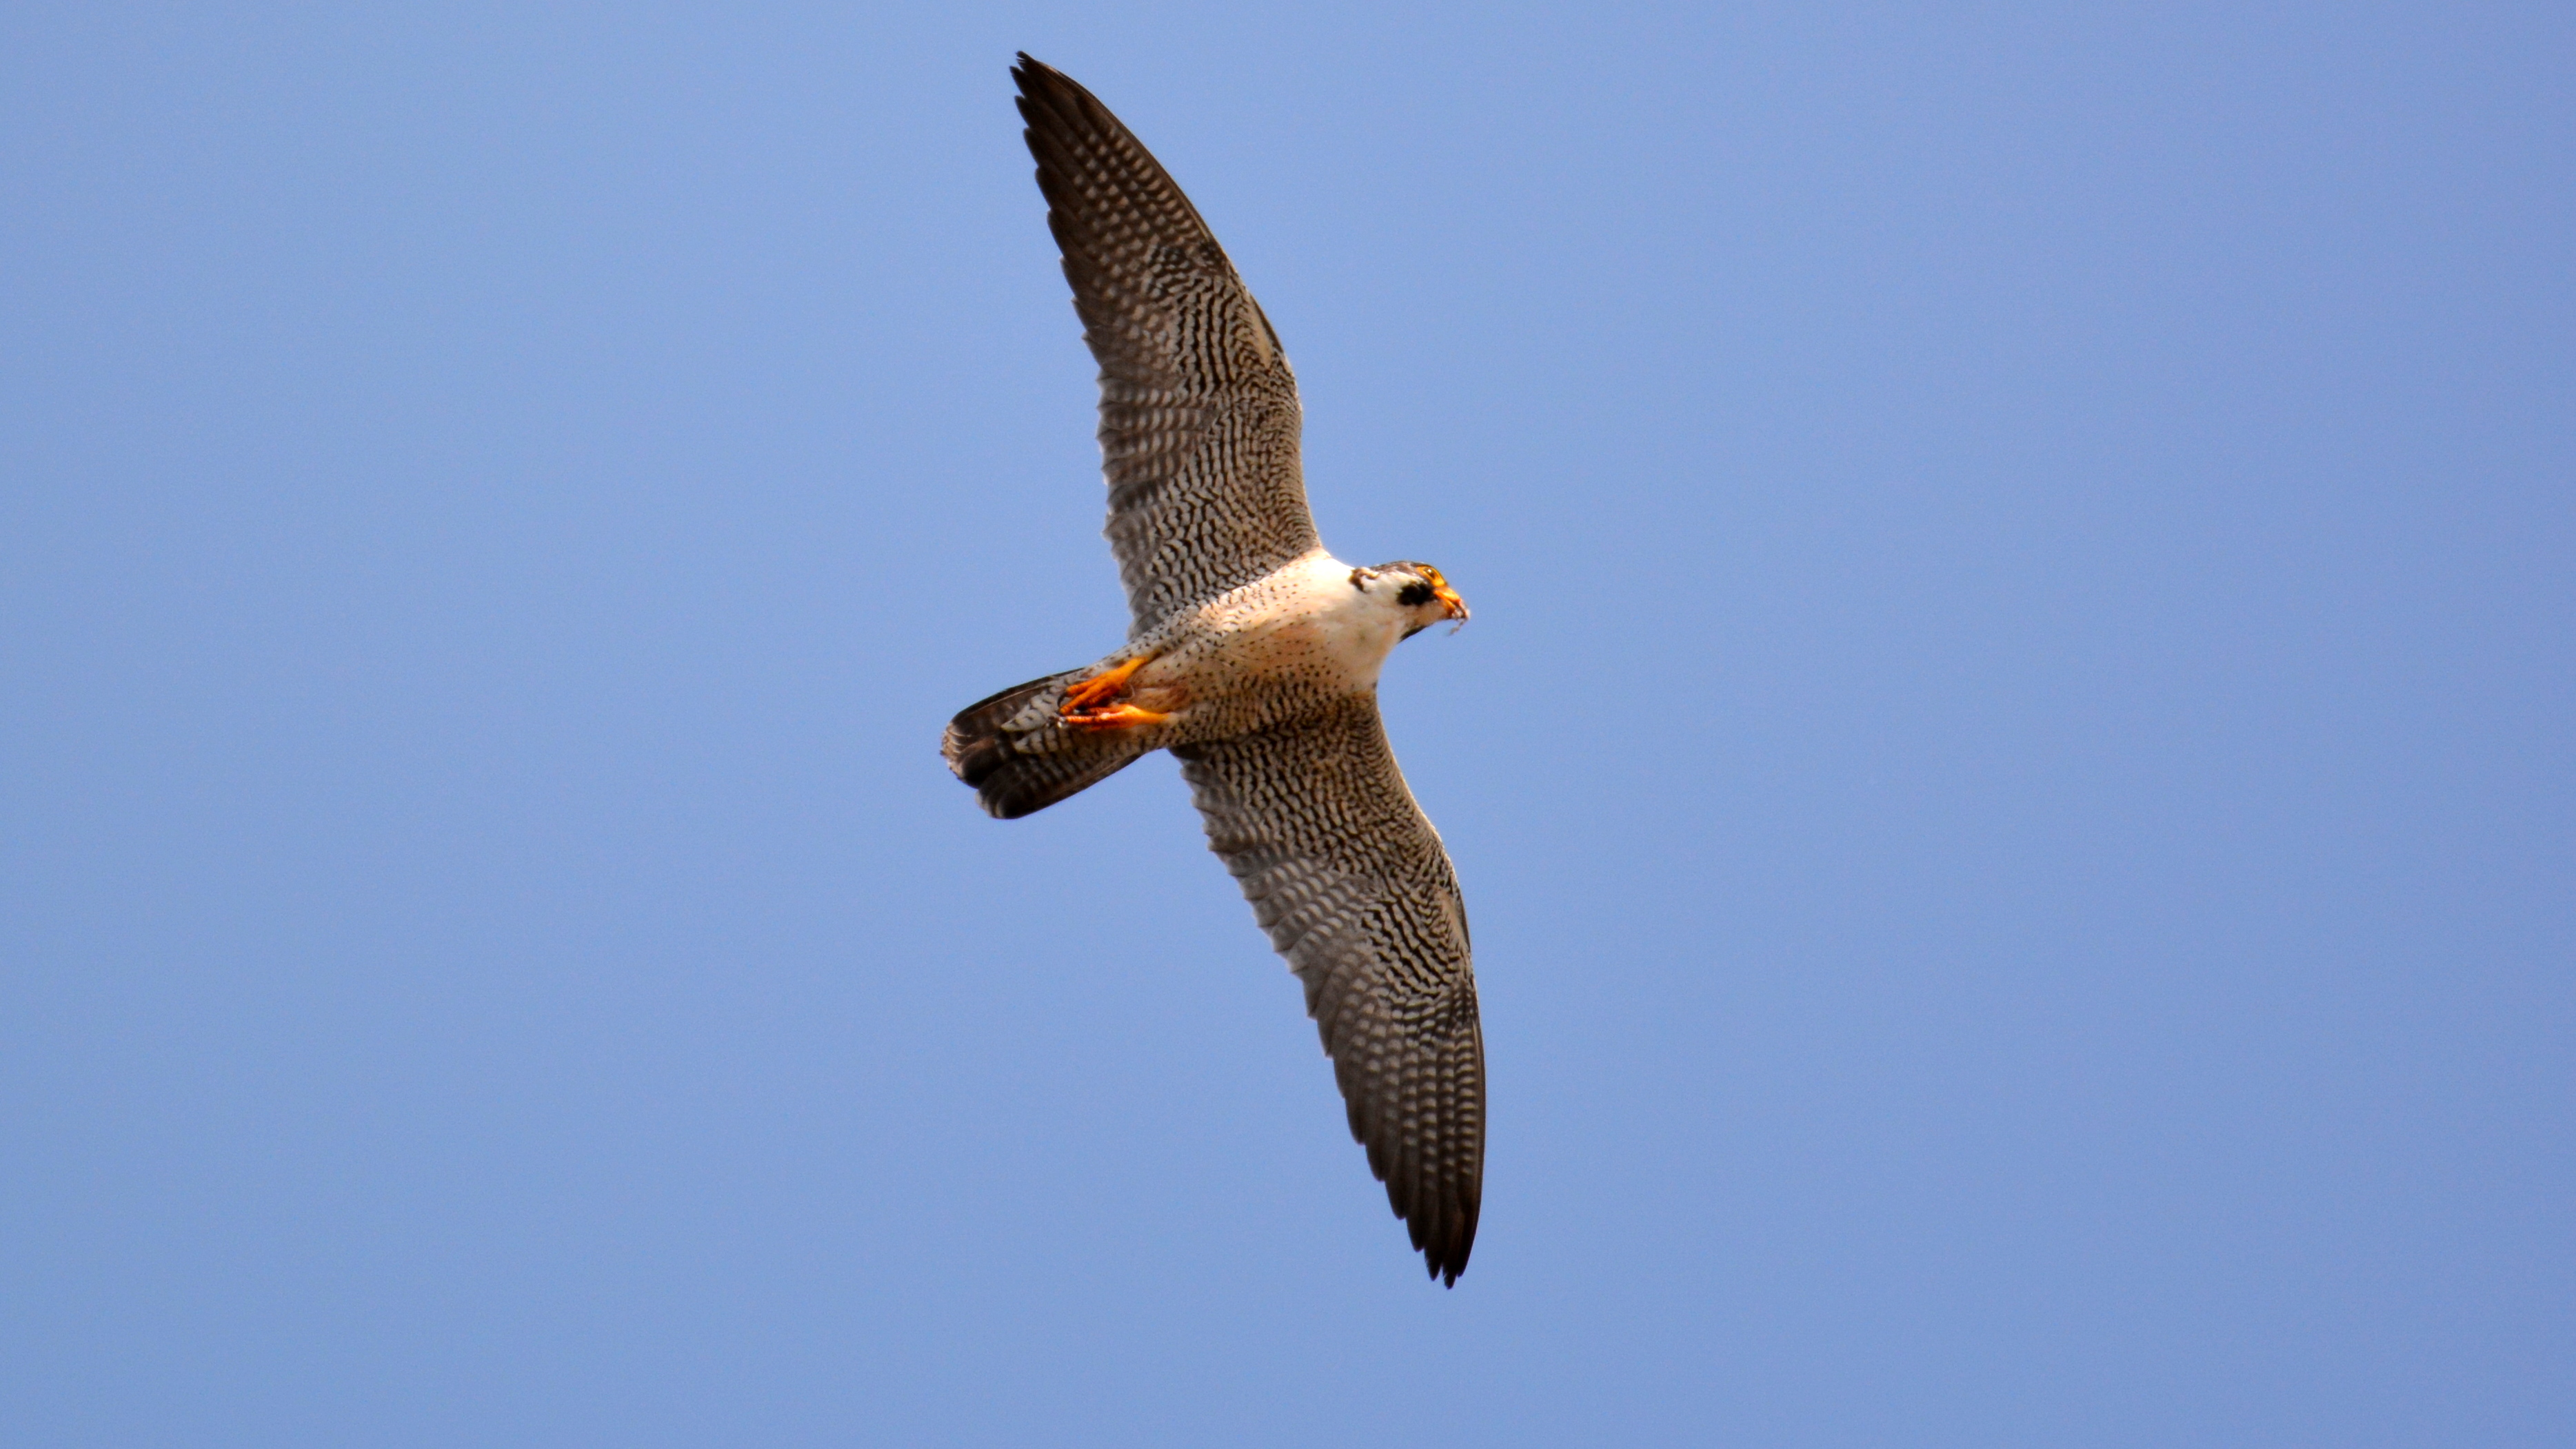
(2012, 771)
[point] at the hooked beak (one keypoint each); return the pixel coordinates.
(1449, 600)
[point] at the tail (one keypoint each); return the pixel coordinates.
(1018, 754)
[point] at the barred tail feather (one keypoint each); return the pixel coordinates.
(1020, 759)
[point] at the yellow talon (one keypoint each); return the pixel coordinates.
(1089, 693)
(1115, 717)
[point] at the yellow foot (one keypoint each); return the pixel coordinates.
(1115, 717)
(1088, 694)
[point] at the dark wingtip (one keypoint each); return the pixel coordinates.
(1031, 76)
(1446, 1239)
(1446, 1266)
(1043, 85)
(1032, 73)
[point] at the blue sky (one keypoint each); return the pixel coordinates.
(2012, 771)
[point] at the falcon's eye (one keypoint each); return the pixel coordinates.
(1414, 595)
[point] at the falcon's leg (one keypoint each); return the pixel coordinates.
(1089, 696)
(1113, 717)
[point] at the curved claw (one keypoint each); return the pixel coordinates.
(1115, 717)
(1086, 695)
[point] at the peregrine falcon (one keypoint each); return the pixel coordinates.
(1253, 656)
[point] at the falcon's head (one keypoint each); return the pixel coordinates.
(1414, 590)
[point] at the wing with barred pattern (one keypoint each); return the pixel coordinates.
(1199, 417)
(1349, 878)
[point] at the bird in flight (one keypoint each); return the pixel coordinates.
(1253, 656)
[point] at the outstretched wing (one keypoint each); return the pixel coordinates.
(1198, 411)
(1347, 875)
